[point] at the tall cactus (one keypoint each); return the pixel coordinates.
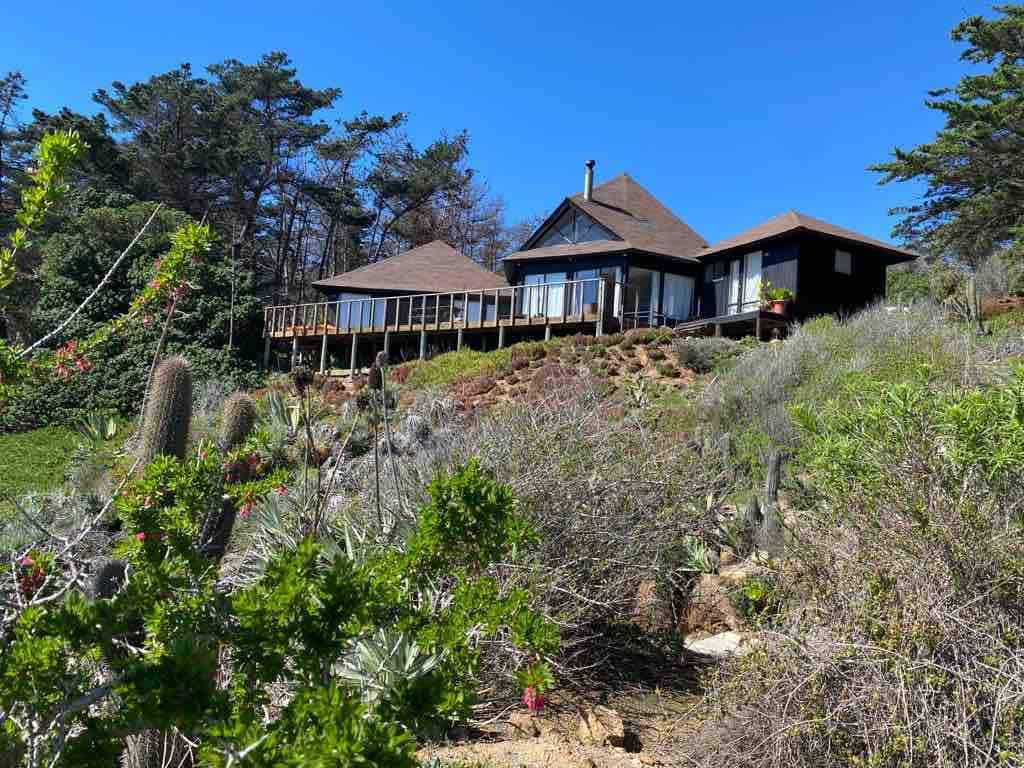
(238, 420)
(168, 412)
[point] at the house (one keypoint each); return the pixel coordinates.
(665, 273)
(611, 257)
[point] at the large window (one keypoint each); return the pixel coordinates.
(744, 283)
(544, 294)
(677, 303)
(574, 227)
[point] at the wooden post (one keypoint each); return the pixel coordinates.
(771, 538)
(373, 315)
(718, 329)
(353, 357)
(323, 351)
(266, 352)
(423, 344)
(458, 340)
(512, 307)
(387, 342)
(437, 312)
(465, 309)
(501, 336)
(295, 348)
(547, 332)
(481, 309)
(757, 325)
(599, 330)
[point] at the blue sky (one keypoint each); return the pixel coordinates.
(728, 112)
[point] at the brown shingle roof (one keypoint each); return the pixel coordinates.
(632, 213)
(572, 249)
(792, 221)
(432, 268)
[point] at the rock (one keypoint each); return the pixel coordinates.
(720, 646)
(727, 557)
(648, 759)
(650, 613)
(522, 725)
(709, 607)
(601, 726)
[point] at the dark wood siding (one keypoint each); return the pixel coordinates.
(825, 291)
(779, 266)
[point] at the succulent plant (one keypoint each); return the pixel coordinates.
(238, 420)
(168, 412)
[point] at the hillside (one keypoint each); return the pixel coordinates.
(733, 540)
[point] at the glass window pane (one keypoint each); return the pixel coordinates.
(751, 280)
(678, 300)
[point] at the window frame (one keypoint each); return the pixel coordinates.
(837, 261)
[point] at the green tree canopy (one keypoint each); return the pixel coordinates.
(974, 168)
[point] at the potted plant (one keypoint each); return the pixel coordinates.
(775, 299)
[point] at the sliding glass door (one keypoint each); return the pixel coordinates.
(744, 284)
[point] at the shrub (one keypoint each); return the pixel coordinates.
(668, 370)
(634, 366)
(276, 639)
(654, 355)
(591, 483)
(913, 558)
(706, 354)
(750, 398)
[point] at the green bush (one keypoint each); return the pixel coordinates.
(912, 556)
(704, 355)
(290, 624)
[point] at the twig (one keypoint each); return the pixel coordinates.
(96, 290)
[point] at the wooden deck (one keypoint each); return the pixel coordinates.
(490, 324)
(756, 322)
(589, 306)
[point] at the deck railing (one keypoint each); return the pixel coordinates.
(573, 301)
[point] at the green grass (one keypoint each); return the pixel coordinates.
(446, 369)
(34, 461)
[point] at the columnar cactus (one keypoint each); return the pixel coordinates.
(238, 420)
(169, 411)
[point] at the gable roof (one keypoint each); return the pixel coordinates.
(432, 268)
(630, 212)
(792, 221)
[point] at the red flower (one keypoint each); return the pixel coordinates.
(27, 560)
(245, 510)
(140, 536)
(253, 461)
(157, 263)
(281, 490)
(147, 320)
(83, 364)
(534, 701)
(62, 372)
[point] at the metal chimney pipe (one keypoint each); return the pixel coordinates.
(588, 180)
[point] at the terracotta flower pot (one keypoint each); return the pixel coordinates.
(779, 306)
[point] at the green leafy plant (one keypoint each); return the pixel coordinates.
(56, 153)
(97, 427)
(768, 294)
